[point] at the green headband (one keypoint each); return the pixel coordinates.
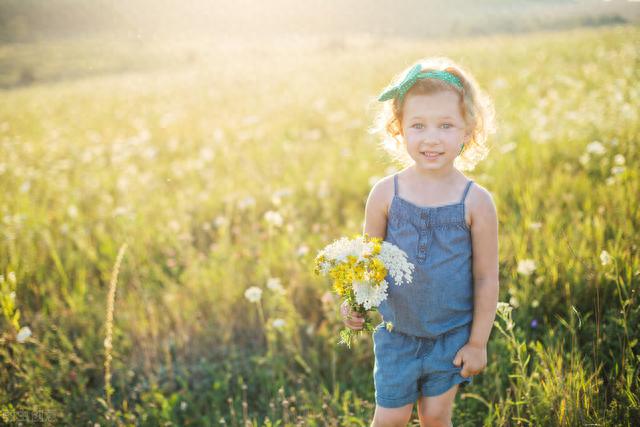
(412, 76)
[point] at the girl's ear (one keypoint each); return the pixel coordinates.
(467, 136)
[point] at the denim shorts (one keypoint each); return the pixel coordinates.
(407, 366)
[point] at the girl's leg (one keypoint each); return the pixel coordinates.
(392, 417)
(436, 411)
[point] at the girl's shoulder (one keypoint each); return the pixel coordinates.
(382, 192)
(479, 204)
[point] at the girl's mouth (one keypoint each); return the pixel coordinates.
(431, 154)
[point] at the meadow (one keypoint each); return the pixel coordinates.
(145, 185)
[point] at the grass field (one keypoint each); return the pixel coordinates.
(216, 167)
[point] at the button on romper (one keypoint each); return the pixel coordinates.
(431, 316)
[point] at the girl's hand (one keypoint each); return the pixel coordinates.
(473, 359)
(352, 319)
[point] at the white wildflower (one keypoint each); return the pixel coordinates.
(302, 250)
(535, 225)
(617, 170)
(395, 259)
(273, 218)
(503, 309)
(183, 406)
(618, 159)
(278, 323)
(253, 294)
(275, 285)
(526, 266)
(596, 147)
(535, 303)
(343, 247)
(584, 159)
(310, 329)
(514, 302)
(369, 295)
(605, 258)
(12, 277)
(23, 334)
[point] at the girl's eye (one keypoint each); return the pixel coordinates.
(448, 124)
(417, 124)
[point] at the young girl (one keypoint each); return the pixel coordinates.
(434, 332)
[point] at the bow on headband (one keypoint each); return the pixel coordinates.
(412, 76)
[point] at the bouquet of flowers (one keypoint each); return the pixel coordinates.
(358, 268)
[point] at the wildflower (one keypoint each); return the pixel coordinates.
(275, 285)
(605, 258)
(526, 267)
(278, 323)
(310, 329)
(535, 303)
(514, 302)
(535, 225)
(12, 277)
(368, 294)
(253, 294)
(596, 147)
(273, 218)
(534, 323)
(23, 334)
(302, 250)
(618, 159)
(183, 406)
(359, 268)
(389, 326)
(503, 309)
(584, 159)
(617, 170)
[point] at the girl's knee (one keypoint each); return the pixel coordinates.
(436, 420)
(392, 417)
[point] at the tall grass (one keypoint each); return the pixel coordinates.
(232, 169)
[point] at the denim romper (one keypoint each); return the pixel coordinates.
(431, 316)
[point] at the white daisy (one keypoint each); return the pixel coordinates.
(253, 294)
(526, 266)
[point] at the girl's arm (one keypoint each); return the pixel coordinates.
(376, 209)
(484, 235)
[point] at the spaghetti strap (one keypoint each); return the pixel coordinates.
(466, 190)
(395, 184)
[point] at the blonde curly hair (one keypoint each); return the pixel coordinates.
(476, 106)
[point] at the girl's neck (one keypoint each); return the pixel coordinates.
(439, 177)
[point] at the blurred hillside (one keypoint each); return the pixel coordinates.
(30, 20)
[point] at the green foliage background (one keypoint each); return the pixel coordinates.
(180, 148)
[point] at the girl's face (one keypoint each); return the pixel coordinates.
(434, 129)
